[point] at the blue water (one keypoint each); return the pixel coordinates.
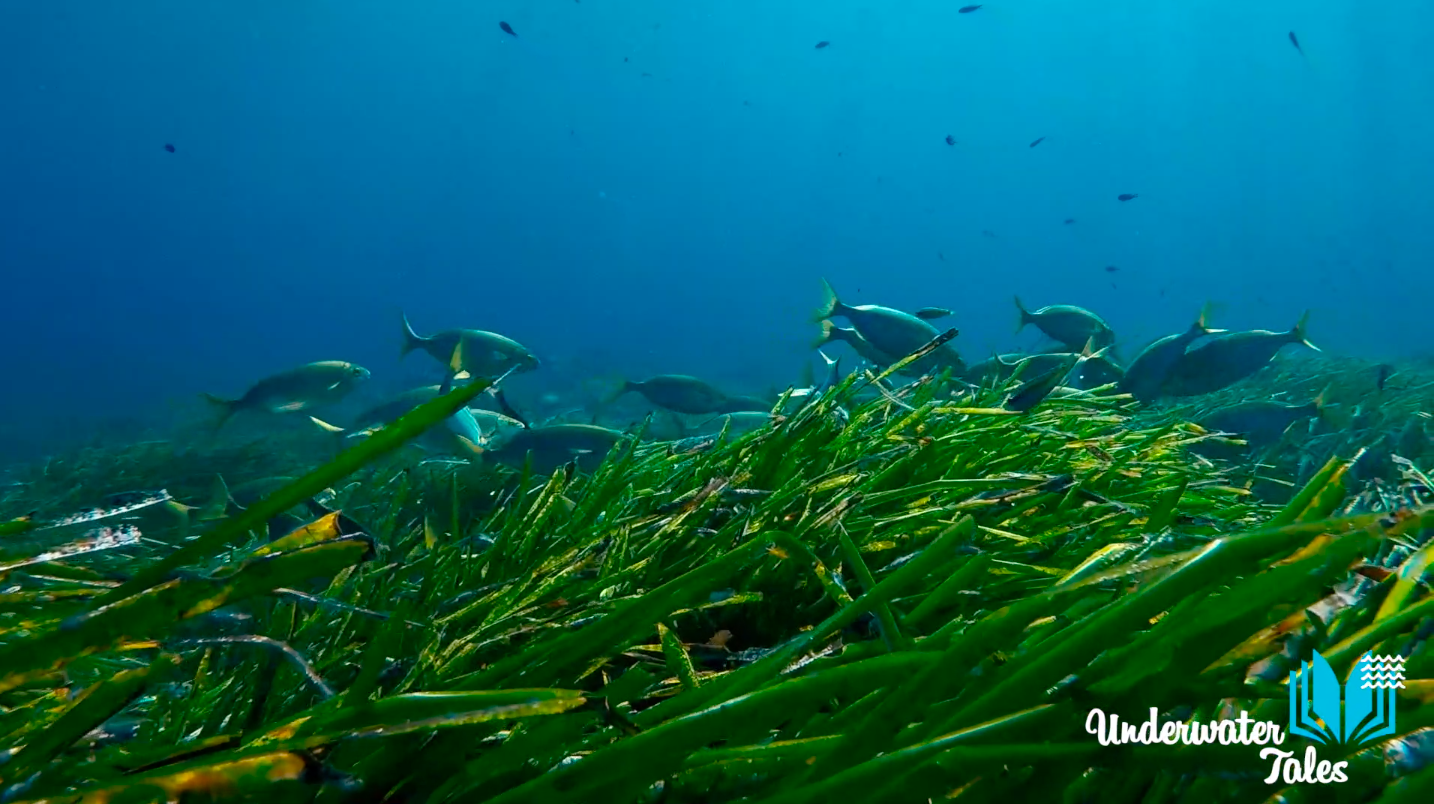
(339, 160)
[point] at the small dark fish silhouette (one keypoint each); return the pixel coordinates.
(624, 60)
(967, 9)
(1038, 141)
(1069, 221)
(988, 233)
(1127, 196)
(169, 147)
(507, 29)
(1110, 269)
(1295, 40)
(950, 140)
(822, 44)
(932, 313)
(1385, 370)
(941, 256)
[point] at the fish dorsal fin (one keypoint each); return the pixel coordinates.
(1202, 323)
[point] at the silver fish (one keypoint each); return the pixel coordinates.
(305, 387)
(1227, 358)
(1149, 370)
(892, 332)
(484, 354)
(678, 392)
(1071, 325)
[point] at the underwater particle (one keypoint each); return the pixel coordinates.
(822, 44)
(624, 60)
(1110, 269)
(1069, 221)
(967, 9)
(1295, 40)
(507, 29)
(169, 147)
(1127, 196)
(950, 140)
(988, 233)
(941, 256)
(1037, 141)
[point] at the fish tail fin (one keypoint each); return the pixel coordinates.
(831, 305)
(1025, 315)
(216, 505)
(829, 334)
(1325, 412)
(230, 502)
(1089, 352)
(1300, 333)
(809, 375)
(225, 408)
(627, 385)
(411, 339)
(683, 430)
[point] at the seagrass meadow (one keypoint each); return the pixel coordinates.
(920, 600)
